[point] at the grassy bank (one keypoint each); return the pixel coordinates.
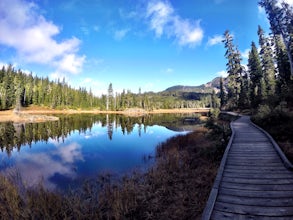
(176, 187)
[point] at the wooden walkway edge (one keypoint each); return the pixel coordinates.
(254, 180)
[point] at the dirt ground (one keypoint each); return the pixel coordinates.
(38, 114)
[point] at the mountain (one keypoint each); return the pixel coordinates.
(204, 88)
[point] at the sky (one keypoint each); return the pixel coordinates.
(147, 44)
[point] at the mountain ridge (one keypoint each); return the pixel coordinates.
(214, 84)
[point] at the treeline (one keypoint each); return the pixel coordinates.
(19, 89)
(268, 80)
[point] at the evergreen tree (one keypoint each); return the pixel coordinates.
(267, 59)
(284, 75)
(281, 21)
(109, 104)
(222, 93)
(244, 92)
(234, 69)
(255, 72)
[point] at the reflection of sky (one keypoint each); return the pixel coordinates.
(37, 166)
(84, 155)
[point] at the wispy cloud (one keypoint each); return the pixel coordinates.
(290, 2)
(217, 39)
(32, 36)
(169, 70)
(120, 34)
(222, 73)
(245, 54)
(165, 21)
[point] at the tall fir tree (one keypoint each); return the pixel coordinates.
(281, 21)
(110, 98)
(283, 67)
(234, 69)
(222, 93)
(244, 92)
(267, 59)
(255, 72)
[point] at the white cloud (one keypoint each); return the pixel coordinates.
(217, 39)
(71, 63)
(222, 73)
(290, 2)
(120, 34)
(164, 20)
(169, 70)
(32, 36)
(245, 54)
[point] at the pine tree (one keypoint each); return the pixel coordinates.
(234, 69)
(109, 104)
(244, 92)
(267, 59)
(222, 93)
(255, 72)
(283, 75)
(281, 21)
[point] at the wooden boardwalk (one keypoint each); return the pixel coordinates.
(254, 180)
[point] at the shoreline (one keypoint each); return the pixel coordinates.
(38, 114)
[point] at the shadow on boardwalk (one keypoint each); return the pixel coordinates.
(254, 180)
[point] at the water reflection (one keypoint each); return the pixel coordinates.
(76, 147)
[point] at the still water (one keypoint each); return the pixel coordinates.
(78, 147)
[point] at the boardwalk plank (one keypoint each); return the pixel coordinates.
(256, 176)
(257, 194)
(254, 210)
(257, 187)
(257, 171)
(268, 202)
(258, 181)
(254, 182)
(217, 215)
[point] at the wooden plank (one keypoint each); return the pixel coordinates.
(245, 167)
(258, 171)
(254, 164)
(254, 210)
(258, 181)
(268, 202)
(257, 176)
(219, 215)
(256, 194)
(256, 159)
(254, 183)
(257, 187)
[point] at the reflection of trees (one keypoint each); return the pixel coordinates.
(14, 135)
(110, 122)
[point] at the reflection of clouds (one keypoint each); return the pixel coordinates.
(70, 153)
(150, 132)
(94, 134)
(40, 167)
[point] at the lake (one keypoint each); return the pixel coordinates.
(64, 153)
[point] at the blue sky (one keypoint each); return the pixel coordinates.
(133, 44)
